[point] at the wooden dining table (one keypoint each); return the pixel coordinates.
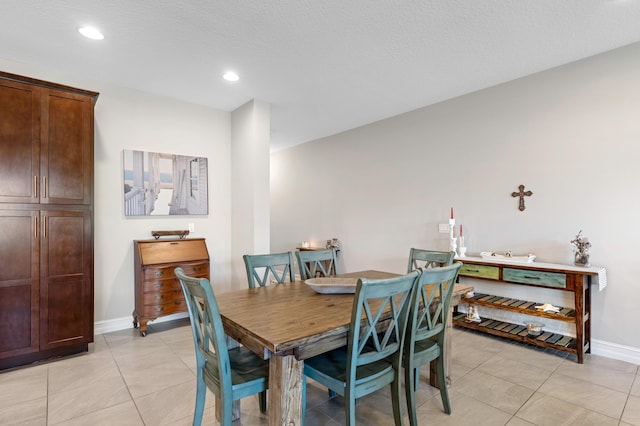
(288, 323)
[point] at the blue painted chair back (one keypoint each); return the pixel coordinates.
(265, 268)
(229, 374)
(316, 263)
(419, 258)
(426, 330)
(372, 358)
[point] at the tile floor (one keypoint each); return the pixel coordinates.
(129, 380)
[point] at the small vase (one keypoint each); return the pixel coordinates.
(581, 259)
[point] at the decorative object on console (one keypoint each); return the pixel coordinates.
(452, 238)
(472, 314)
(462, 250)
(180, 234)
(521, 193)
(547, 307)
(581, 246)
(335, 244)
(508, 257)
(534, 328)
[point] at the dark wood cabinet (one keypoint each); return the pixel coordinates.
(158, 291)
(46, 220)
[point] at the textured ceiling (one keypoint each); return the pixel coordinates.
(323, 66)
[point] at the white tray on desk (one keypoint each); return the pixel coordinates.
(332, 285)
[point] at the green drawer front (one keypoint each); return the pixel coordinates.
(547, 279)
(480, 271)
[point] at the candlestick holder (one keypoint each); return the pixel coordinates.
(452, 239)
(462, 251)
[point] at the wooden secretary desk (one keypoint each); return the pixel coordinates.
(158, 291)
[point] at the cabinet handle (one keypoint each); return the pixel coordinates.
(44, 226)
(159, 309)
(157, 273)
(158, 297)
(159, 285)
(196, 268)
(473, 270)
(531, 277)
(35, 186)
(44, 186)
(35, 227)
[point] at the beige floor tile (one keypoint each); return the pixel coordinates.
(616, 375)
(87, 397)
(516, 421)
(533, 356)
(22, 385)
(465, 410)
(585, 394)
(631, 414)
(543, 410)
(65, 375)
(172, 404)
(124, 414)
(515, 372)
(493, 391)
(28, 413)
(145, 380)
(635, 388)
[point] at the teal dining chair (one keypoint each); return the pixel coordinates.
(316, 263)
(419, 258)
(426, 330)
(372, 358)
(263, 268)
(231, 374)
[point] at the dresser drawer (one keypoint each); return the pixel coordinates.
(151, 273)
(541, 278)
(157, 298)
(154, 311)
(480, 271)
(156, 286)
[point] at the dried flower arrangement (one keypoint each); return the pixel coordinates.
(581, 246)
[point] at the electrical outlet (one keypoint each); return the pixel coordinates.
(443, 228)
(192, 227)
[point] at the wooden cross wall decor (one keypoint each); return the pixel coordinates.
(521, 194)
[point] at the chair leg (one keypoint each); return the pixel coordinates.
(410, 393)
(350, 406)
(263, 402)
(201, 393)
(395, 398)
(444, 391)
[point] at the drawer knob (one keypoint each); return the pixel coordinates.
(158, 297)
(159, 309)
(157, 273)
(159, 285)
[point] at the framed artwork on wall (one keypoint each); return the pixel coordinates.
(157, 184)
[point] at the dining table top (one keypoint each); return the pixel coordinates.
(292, 318)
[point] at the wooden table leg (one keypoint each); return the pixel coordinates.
(433, 375)
(285, 390)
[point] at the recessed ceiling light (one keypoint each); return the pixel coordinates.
(231, 76)
(92, 33)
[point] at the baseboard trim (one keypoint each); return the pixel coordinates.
(615, 351)
(101, 327)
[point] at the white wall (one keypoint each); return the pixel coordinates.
(569, 134)
(250, 128)
(128, 119)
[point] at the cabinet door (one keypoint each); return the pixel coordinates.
(66, 289)
(19, 142)
(67, 148)
(19, 285)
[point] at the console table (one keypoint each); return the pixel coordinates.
(567, 278)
